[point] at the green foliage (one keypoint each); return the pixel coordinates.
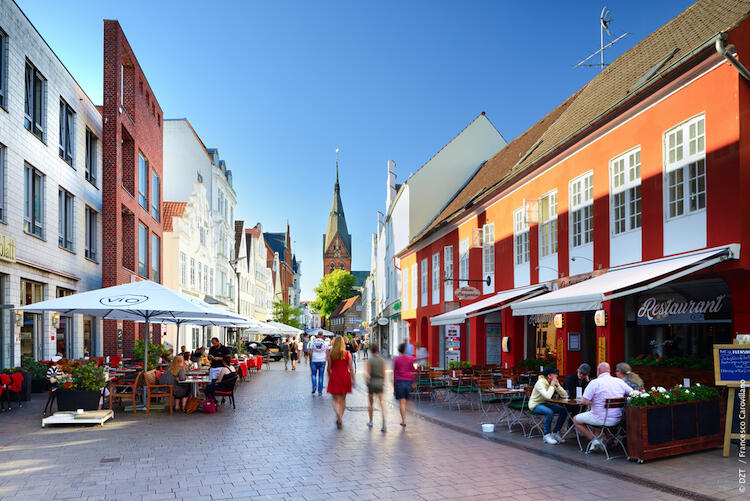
(37, 368)
(535, 363)
(454, 365)
(155, 351)
(681, 362)
(89, 377)
(662, 396)
(333, 288)
(286, 314)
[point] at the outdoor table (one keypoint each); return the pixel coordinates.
(194, 381)
(570, 402)
(506, 395)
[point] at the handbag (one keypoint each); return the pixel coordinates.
(192, 405)
(209, 406)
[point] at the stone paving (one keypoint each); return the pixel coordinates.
(280, 444)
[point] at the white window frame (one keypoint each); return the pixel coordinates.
(424, 291)
(625, 192)
(685, 168)
(35, 85)
(488, 257)
(548, 224)
(436, 278)
(581, 211)
(183, 269)
(192, 273)
(414, 273)
(448, 272)
(67, 132)
(92, 234)
(521, 251)
(463, 262)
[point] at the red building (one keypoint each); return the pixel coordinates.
(625, 203)
(132, 179)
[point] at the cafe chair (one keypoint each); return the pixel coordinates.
(534, 420)
(463, 390)
(157, 391)
(615, 433)
(228, 383)
(125, 390)
(488, 401)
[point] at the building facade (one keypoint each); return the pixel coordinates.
(50, 197)
(288, 269)
(347, 317)
(261, 268)
(132, 146)
(612, 228)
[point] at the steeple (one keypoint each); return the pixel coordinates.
(336, 219)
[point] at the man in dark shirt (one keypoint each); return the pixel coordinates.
(217, 351)
(580, 378)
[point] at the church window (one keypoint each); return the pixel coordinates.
(332, 266)
(341, 266)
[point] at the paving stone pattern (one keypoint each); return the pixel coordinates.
(280, 444)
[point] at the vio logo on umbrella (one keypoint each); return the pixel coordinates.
(123, 300)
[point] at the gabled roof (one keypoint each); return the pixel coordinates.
(239, 227)
(277, 242)
(170, 210)
(360, 277)
(337, 220)
(344, 306)
(690, 33)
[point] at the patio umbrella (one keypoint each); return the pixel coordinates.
(286, 330)
(143, 301)
(263, 328)
(314, 332)
(204, 321)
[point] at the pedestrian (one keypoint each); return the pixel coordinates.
(365, 347)
(318, 356)
(305, 343)
(285, 353)
(293, 354)
(403, 379)
(351, 347)
(300, 349)
(375, 377)
(340, 377)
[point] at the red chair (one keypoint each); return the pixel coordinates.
(243, 370)
(16, 385)
(227, 383)
(114, 360)
(5, 388)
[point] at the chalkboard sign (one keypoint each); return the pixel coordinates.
(731, 364)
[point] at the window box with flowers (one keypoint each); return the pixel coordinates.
(662, 423)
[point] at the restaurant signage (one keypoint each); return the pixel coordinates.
(382, 321)
(452, 343)
(676, 309)
(7, 248)
(467, 293)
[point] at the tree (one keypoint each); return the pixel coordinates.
(333, 288)
(286, 314)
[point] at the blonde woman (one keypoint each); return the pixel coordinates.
(175, 373)
(625, 372)
(340, 377)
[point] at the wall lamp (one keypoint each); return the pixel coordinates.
(19, 317)
(550, 268)
(573, 258)
(56, 320)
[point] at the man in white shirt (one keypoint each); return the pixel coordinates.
(596, 394)
(318, 349)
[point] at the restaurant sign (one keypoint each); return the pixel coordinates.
(679, 309)
(7, 248)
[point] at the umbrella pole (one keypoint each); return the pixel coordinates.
(177, 341)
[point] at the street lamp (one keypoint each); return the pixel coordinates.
(233, 264)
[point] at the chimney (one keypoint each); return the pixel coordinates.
(390, 193)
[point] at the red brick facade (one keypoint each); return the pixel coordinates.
(132, 123)
(336, 257)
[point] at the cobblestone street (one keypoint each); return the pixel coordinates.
(281, 443)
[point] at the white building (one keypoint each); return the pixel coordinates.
(50, 196)
(262, 271)
(186, 161)
(411, 207)
(309, 318)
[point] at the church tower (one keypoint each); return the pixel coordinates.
(337, 242)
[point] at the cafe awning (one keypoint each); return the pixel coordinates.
(623, 281)
(490, 304)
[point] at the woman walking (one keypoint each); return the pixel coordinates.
(403, 379)
(293, 353)
(340, 377)
(375, 377)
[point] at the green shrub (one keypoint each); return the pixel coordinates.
(37, 369)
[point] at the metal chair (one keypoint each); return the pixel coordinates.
(614, 433)
(227, 387)
(536, 421)
(488, 402)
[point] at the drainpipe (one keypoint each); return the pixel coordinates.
(722, 50)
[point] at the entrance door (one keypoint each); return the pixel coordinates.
(63, 338)
(30, 342)
(588, 339)
(494, 339)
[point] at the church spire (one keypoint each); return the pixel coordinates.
(336, 219)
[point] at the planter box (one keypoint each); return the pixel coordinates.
(669, 430)
(38, 385)
(70, 400)
(669, 377)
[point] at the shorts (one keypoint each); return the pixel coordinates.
(294, 356)
(401, 389)
(375, 386)
(587, 418)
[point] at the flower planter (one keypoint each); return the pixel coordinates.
(653, 375)
(38, 385)
(669, 430)
(70, 400)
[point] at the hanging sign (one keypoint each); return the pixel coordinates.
(467, 292)
(382, 321)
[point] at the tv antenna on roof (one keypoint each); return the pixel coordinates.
(604, 19)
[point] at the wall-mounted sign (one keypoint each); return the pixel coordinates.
(601, 350)
(541, 319)
(574, 341)
(382, 321)
(466, 292)
(452, 343)
(680, 309)
(7, 248)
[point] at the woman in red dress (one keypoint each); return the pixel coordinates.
(340, 377)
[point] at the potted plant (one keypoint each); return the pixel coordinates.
(155, 351)
(25, 393)
(38, 373)
(81, 387)
(663, 422)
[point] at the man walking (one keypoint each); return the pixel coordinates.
(318, 350)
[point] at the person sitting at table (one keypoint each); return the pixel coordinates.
(539, 403)
(184, 354)
(197, 355)
(580, 378)
(597, 392)
(624, 372)
(227, 368)
(174, 374)
(217, 352)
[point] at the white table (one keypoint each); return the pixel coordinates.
(194, 381)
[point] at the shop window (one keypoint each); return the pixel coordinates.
(33, 201)
(548, 224)
(625, 180)
(448, 271)
(88, 336)
(67, 118)
(436, 278)
(34, 109)
(581, 210)
(520, 238)
(685, 166)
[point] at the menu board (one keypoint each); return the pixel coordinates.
(731, 364)
(452, 343)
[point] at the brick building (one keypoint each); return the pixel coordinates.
(347, 316)
(281, 244)
(337, 242)
(132, 143)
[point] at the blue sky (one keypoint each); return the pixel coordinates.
(277, 86)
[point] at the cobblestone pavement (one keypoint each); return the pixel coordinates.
(281, 444)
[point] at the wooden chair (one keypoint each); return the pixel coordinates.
(154, 390)
(126, 390)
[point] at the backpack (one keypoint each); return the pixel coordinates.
(209, 406)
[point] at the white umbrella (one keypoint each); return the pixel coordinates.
(314, 332)
(263, 328)
(286, 330)
(143, 301)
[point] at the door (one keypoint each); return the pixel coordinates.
(588, 339)
(493, 343)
